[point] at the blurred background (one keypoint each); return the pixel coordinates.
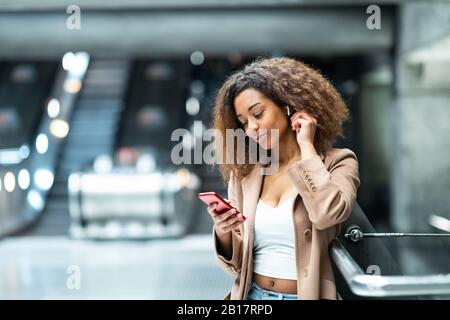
(91, 204)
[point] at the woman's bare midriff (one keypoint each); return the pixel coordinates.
(275, 284)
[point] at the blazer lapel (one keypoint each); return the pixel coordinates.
(251, 189)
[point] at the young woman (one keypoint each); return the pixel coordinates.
(280, 251)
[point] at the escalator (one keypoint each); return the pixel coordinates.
(24, 91)
(166, 95)
(93, 127)
(134, 190)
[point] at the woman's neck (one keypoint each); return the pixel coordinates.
(289, 150)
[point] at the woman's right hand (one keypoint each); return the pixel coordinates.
(225, 221)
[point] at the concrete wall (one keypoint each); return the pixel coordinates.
(375, 105)
(420, 120)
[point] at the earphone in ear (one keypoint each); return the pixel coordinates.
(288, 111)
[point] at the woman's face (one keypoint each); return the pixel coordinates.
(258, 114)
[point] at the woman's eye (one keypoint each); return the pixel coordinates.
(257, 116)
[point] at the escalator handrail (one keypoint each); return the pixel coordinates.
(385, 286)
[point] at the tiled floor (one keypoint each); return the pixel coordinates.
(60, 268)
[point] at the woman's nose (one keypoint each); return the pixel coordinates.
(252, 125)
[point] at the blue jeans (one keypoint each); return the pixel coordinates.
(258, 293)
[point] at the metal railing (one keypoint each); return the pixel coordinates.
(355, 234)
(385, 286)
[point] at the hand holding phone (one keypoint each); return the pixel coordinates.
(213, 197)
(225, 217)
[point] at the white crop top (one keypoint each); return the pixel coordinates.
(274, 241)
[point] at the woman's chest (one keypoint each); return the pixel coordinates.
(276, 189)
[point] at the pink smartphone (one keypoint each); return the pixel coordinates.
(211, 197)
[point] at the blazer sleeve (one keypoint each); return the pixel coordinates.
(328, 195)
(232, 265)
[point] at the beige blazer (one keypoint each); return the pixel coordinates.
(327, 186)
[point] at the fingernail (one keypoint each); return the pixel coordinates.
(233, 211)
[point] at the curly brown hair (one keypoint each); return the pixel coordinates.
(285, 81)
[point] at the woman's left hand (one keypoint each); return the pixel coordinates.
(305, 125)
